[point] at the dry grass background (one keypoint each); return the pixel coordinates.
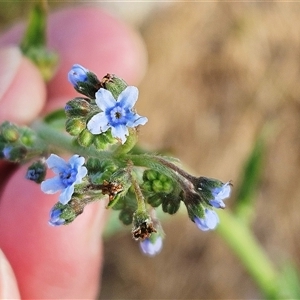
(218, 72)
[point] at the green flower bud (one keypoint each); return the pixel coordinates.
(155, 200)
(109, 166)
(75, 126)
(103, 140)
(114, 84)
(27, 136)
(78, 107)
(126, 216)
(10, 132)
(15, 153)
(63, 214)
(171, 204)
(147, 186)
(157, 186)
(150, 175)
(85, 138)
(168, 187)
(93, 164)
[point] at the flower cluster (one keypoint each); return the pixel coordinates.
(103, 124)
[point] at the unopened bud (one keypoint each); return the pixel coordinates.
(114, 84)
(75, 126)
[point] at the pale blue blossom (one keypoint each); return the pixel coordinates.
(219, 194)
(150, 246)
(209, 221)
(68, 175)
(116, 114)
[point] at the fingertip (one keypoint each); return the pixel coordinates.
(8, 284)
(22, 90)
(98, 41)
(49, 262)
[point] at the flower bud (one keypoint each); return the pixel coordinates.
(171, 203)
(114, 84)
(212, 191)
(77, 74)
(209, 221)
(93, 164)
(126, 216)
(103, 140)
(156, 199)
(15, 153)
(75, 126)
(78, 107)
(9, 132)
(150, 175)
(152, 245)
(84, 81)
(37, 171)
(63, 214)
(85, 138)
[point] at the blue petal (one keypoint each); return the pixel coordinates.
(128, 97)
(210, 220)
(151, 248)
(98, 123)
(76, 161)
(120, 132)
(52, 185)
(82, 171)
(217, 203)
(66, 194)
(136, 120)
(77, 73)
(105, 99)
(57, 164)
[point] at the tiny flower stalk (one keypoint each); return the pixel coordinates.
(34, 42)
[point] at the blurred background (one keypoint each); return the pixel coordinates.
(218, 74)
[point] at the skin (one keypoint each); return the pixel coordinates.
(38, 261)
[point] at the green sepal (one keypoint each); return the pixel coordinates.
(75, 126)
(85, 138)
(89, 87)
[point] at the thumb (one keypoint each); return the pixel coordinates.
(8, 283)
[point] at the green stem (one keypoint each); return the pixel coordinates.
(128, 145)
(241, 240)
(141, 206)
(62, 141)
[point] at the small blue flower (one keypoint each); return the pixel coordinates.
(77, 74)
(116, 114)
(150, 247)
(68, 174)
(55, 219)
(210, 220)
(219, 194)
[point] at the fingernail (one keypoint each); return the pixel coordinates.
(10, 60)
(8, 283)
